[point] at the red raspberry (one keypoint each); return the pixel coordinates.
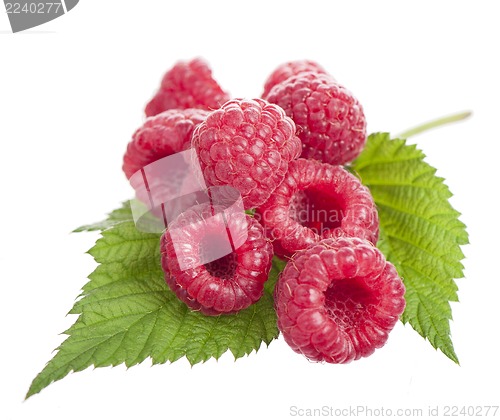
(247, 144)
(187, 85)
(228, 284)
(338, 300)
(161, 136)
(330, 120)
(317, 200)
(286, 70)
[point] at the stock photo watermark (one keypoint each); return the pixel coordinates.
(175, 185)
(381, 411)
(26, 14)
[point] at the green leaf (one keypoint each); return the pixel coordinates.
(420, 233)
(127, 313)
(123, 214)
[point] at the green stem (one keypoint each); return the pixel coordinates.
(435, 123)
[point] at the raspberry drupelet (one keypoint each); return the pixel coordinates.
(161, 136)
(227, 284)
(317, 200)
(289, 69)
(330, 120)
(338, 300)
(187, 85)
(247, 144)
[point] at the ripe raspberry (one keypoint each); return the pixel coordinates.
(330, 120)
(187, 85)
(286, 70)
(247, 144)
(338, 300)
(228, 284)
(317, 200)
(161, 136)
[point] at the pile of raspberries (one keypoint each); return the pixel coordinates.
(337, 298)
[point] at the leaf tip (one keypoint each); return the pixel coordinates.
(453, 357)
(29, 394)
(33, 389)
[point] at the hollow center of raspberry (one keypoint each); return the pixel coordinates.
(317, 210)
(349, 302)
(223, 267)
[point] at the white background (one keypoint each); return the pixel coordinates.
(71, 94)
